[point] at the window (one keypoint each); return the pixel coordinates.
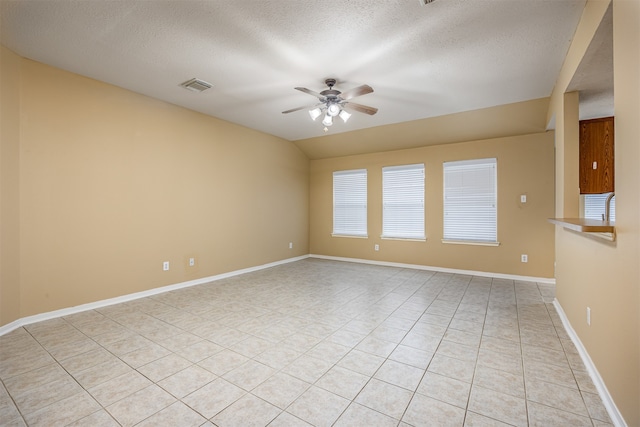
(470, 201)
(350, 203)
(594, 205)
(403, 202)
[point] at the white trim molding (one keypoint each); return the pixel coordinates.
(130, 297)
(155, 291)
(546, 280)
(607, 400)
(612, 409)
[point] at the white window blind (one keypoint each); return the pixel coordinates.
(350, 203)
(594, 205)
(403, 201)
(470, 201)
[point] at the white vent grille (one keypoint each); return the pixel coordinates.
(196, 85)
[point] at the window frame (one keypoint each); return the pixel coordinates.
(484, 212)
(349, 213)
(403, 177)
(593, 206)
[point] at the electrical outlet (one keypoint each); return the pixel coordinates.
(290, 245)
(192, 262)
(589, 316)
(524, 258)
(376, 247)
(523, 198)
(165, 266)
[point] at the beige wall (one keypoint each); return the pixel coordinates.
(112, 183)
(525, 166)
(9, 186)
(100, 185)
(519, 118)
(590, 272)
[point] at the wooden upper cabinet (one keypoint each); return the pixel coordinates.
(597, 156)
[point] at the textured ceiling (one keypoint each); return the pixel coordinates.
(423, 61)
(594, 76)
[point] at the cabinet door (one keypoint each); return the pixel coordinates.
(596, 156)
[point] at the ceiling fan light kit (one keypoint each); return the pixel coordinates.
(333, 102)
(315, 113)
(333, 109)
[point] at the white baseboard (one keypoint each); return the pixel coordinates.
(607, 400)
(130, 297)
(11, 326)
(546, 280)
(612, 409)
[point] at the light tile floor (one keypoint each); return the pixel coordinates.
(314, 342)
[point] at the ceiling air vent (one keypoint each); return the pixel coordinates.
(196, 85)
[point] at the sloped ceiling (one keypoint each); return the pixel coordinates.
(594, 76)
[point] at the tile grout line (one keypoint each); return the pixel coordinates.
(387, 297)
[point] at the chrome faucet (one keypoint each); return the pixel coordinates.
(607, 207)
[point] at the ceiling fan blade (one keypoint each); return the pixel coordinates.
(362, 108)
(299, 108)
(356, 91)
(310, 92)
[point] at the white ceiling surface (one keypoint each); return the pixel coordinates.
(594, 76)
(422, 61)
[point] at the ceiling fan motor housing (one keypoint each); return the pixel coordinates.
(331, 94)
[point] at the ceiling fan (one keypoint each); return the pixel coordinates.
(332, 103)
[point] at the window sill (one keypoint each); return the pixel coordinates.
(470, 242)
(353, 236)
(407, 239)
